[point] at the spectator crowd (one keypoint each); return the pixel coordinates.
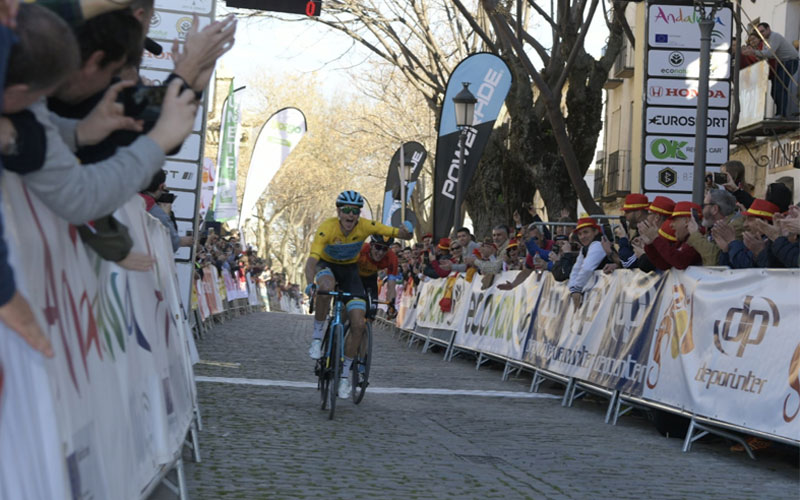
(731, 229)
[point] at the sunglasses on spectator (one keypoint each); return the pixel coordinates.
(380, 248)
(350, 210)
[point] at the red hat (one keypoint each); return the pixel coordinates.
(512, 243)
(444, 244)
(763, 209)
(666, 231)
(662, 205)
(684, 209)
(427, 235)
(586, 222)
(635, 201)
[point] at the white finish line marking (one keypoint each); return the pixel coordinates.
(380, 390)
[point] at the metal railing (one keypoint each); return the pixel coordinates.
(623, 64)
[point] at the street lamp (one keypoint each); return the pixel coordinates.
(706, 11)
(464, 103)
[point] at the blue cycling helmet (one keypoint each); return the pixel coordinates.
(351, 198)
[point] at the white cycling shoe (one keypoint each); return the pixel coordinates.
(315, 351)
(344, 388)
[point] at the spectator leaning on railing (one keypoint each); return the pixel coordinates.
(500, 238)
(635, 211)
(778, 48)
(659, 212)
(590, 258)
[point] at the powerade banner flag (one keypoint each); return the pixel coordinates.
(225, 206)
(413, 153)
(277, 138)
(490, 81)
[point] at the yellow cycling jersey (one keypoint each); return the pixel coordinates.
(331, 245)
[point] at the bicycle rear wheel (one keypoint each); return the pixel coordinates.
(361, 365)
(324, 372)
(336, 367)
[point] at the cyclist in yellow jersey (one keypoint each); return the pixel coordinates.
(334, 259)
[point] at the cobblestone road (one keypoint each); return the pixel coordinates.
(274, 441)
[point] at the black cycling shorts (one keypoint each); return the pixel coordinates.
(346, 276)
(370, 284)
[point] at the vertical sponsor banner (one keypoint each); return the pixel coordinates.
(225, 205)
(498, 321)
(726, 347)
(407, 312)
(207, 187)
(490, 81)
(670, 87)
(414, 153)
(278, 136)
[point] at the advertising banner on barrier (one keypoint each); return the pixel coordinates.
(113, 405)
(497, 321)
(726, 347)
(429, 310)
(407, 312)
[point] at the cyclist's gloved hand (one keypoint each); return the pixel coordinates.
(310, 289)
(409, 226)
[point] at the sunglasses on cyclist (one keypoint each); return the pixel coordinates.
(380, 248)
(350, 210)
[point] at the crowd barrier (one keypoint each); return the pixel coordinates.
(216, 297)
(108, 416)
(718, 346)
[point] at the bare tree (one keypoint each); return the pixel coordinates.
(554, 112)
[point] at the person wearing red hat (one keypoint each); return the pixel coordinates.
(635, 211)
(434, 268)
(591, 257)
(677, 254)
(753, 250)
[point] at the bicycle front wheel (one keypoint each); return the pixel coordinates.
(361, 365)
(324, 371)
(336, 367)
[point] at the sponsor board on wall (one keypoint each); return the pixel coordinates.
(671, 95)
(681, 149)
(667, 92)
(664, 120)
(686, 64)
(671, 177)
(676, 26)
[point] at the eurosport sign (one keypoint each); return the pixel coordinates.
(677, 26)
(661, 120)
(686, 64)
(680, 149)
(666, 92)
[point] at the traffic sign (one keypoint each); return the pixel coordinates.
(311, 8)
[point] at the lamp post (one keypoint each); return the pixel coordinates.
(464, 103)
(707, 19)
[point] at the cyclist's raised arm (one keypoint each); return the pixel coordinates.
(402, 232)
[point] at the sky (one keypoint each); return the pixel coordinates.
(299, 45)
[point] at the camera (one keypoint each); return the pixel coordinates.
(717, 178)
(142, 102)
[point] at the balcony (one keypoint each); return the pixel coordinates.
(757, 116)
(623, 64)
(618, 174)
(599, 180)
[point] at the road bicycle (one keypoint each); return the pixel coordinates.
(328, 368)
